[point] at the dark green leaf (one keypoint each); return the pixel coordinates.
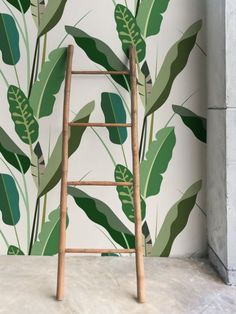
(129, 32)
(52, 174)
(48, 241)
(149, 17)
(9, 200)
(22, 115)
(9, 40)
(20, 5)
(157, 159)
(110, 254)
(42, 97)
(51, 16)
(114, 112)
(122, 174)
(13, 250)
(101, 214)
(175, 221)
(197, 124)
(144, 83)
(12, 153)
(175, 61)
(99, 52)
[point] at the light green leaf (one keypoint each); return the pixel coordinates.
(9, 200)
(99, 52)
(9, 40)
(129, 32)
(175, 221)
(48, 241)
(157, 159)
(122, 174)
(22, 115)
(175, 61)
(12, 153)
(37, 10)
(144, 83)
(43, 93)
(149, 17)
(13, 250)
(114, 112)
(52, 173)
(51, 16)
(101, 214)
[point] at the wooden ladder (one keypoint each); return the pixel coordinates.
(136, 176)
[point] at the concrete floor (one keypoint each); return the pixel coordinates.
(107, 285)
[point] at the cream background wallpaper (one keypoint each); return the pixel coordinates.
(188, 162)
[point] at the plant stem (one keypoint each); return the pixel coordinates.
(105, 146)
(126, 4)
(123, 152)
(17, 237)
(44, 210)
(26, 43)
(4, 239)
(151, 129)
(26, 201)
(33, 228)
(33, 67)
(142, 137)
(137, 7)
(63, 39)
(44, 50)
(17, 77)
(37, 64)
(114, 2)
(4, 78)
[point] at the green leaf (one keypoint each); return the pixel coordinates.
(175, 221)
(43, 93)
(9, 200)
(110, 254)
(51, 16)
(147, 239)
(12, 153)
(149, 17)
(175, 61)
(114, 112)
(52, 173)
(9, 40)
(20, 5)
(129, 32)
(123, 174)
(13, 250)
(197, 124)
(100, 53)
(48, 239)
(37, 10)
(157, 159)
(101, 214)
(22, 115)
(37, 164)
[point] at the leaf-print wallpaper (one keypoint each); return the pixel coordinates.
(169, 39)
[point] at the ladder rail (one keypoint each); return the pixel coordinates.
(63, 200)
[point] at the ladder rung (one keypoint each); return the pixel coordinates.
(96, 251)
(100, 183)
(98, 124)
(101, 72)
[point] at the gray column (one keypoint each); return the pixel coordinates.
(221, 160)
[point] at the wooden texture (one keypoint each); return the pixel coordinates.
(98, 124)
(99, 251)
(101, 72)
(136, 175)
(99, 183)
(63, 200)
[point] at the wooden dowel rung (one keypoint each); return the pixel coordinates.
(100, 183)
(101, 72)
(98, 124)
(99, 251)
